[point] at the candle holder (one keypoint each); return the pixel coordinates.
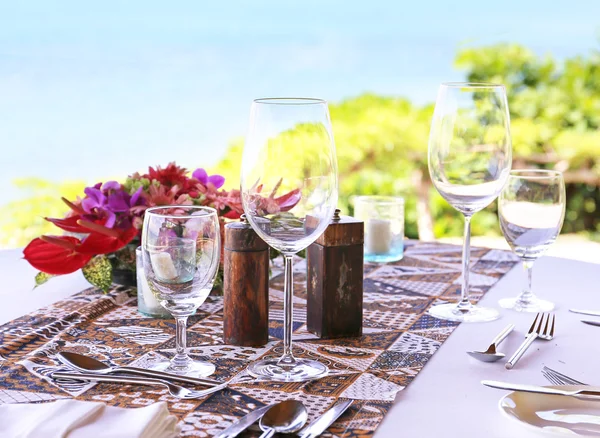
(384, 227)
(147, 303)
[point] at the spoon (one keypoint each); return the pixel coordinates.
(88, 364)
(286, 417)
(491, 355)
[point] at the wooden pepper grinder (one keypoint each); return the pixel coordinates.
(335, 279)
(245, 286)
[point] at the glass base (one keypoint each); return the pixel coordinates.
(302, 370)
(451, 312)
(195, 368)
(393, 256)
(534, 305)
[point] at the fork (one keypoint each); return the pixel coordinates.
(535, 332)
(174, 390)
(558, 378)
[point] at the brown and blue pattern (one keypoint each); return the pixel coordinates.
(399, 337)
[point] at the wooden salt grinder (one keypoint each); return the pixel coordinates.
(335, 279)
(245, 286)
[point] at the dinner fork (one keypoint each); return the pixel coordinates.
(174, 390)
(558, 378)
(535, 331)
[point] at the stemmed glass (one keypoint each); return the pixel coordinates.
(531, 209)
(181, 250)
(470, 156)
(289, 191)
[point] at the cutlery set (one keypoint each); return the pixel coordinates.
(285, 417)
(541, 328)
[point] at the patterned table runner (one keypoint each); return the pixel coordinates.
(398, 340)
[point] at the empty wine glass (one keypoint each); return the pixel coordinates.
(181, 251)
(289, 192)
(531, 209)
(469, 158)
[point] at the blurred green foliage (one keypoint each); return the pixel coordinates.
(23, 220)
(382, 146)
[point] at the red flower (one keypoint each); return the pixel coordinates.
(170, 176)
(55, 255)
(58, 255)
(163, 196)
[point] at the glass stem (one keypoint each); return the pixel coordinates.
(526, 295)
(181, 359)
(465, 305)
(288, 314)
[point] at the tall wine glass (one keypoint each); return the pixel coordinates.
(289, 192)
(531, 209)
(470, 156)
(181, 250)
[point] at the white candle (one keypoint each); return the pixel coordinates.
(149, 298)
(378, 236)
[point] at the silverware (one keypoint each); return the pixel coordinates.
(87, 364)
(558, 378)
(321, 424)
(286, 417)
(585, 312)
(244, 423)
(491, 355)
(584, 394)
(174, 390)
(594, 323)
(534, 333)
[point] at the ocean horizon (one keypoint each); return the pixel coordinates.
(90, 92)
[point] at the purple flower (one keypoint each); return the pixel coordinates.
(202, 176)
(105, 201)
(94, 199)
(111, 185)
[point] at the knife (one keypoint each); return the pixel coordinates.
(244, 423)
(596, 323)
(321, 424)
(585, 312)
(585, 394)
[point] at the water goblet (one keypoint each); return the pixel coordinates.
(181, 251)
(531, 209)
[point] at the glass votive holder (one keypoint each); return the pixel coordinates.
(147, 303)
(384, 226)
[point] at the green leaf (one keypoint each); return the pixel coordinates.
(99, 272)
(42, 278)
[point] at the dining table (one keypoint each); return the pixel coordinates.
(446, 398)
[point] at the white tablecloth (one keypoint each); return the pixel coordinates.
(446, 399)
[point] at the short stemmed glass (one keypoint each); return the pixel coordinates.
(181, 250)
(289, 191)
(531, 209)
(470, 156)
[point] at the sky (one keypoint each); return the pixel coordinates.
(94, 90)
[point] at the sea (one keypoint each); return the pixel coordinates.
(97, 90)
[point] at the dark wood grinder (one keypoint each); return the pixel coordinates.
(335, 279)
(245, 286)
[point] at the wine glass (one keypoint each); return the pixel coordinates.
(531, 209)
(470, 156)
(181, 252)
(289, 191)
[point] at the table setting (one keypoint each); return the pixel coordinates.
(351, 331)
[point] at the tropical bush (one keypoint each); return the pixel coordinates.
(382, 146)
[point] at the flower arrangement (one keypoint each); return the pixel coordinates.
(103, 228)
